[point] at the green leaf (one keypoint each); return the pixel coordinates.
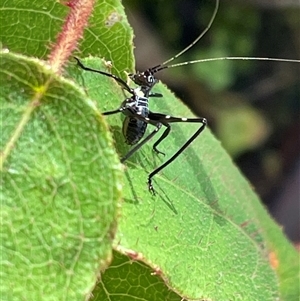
(204, 236)
(30, 27)
(206, 230)
(61, 185)
(132, 280)
(109, 36)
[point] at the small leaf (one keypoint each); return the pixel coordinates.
(128, 280)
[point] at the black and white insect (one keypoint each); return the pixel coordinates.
(137, 112)
(138, 116)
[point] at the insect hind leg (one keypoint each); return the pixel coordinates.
(163, 136)
(166, 119)
(140, 144)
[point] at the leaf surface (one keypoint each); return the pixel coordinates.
(205, 236)
(205, 230)
(61, 185)
(30, 27)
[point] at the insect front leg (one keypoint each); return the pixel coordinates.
(116, 78)
(166, 119)
(121, 109)
(154, 94)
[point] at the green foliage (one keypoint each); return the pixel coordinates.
(205, 230)
(205, 236)
(30, 28)
(109, 36)
(61, 185)
(132, 280)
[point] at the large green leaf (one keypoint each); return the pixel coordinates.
(61, 183)
(205, 231)
(204, 236)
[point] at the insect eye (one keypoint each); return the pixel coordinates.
(150, 79)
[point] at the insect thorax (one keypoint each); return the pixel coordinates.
(134, 128)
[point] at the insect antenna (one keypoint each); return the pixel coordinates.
(160, 66)
(165, 65)
(240, 58)
(119, 80)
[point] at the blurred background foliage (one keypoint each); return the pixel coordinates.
(252, 106)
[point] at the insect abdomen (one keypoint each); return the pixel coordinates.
(133, 130)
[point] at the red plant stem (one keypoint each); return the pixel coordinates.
(72, 31)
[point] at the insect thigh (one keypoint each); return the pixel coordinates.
(166, 119)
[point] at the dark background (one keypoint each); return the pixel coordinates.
(253, 107)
